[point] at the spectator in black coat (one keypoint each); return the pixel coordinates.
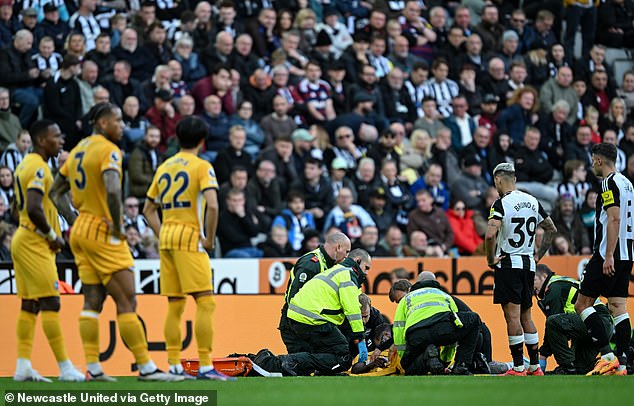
(140, 59)
(103, 57)
(615, 21)
(264, 191)
(238, 227)
(122, 86)
(52, 26)
(62, 98)
(233, 155)
(316, 189)
(277, 245)
(533, 171)
(397, 101)
(556, 134)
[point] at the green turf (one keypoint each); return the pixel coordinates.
(364, 391)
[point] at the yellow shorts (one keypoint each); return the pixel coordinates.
(184, 272)
(98, 260)
(34, 265)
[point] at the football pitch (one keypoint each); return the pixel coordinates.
(395, 390)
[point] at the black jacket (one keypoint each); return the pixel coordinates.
(532, 166)
(14, 68)
(227, 159)
(235, 232)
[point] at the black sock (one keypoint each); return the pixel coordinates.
(622, 336)
(518, 354)
(533, 353)
(596, 329)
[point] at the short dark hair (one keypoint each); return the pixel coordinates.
(40, 129)
(605, 150)
(543, 269)
(100, 110)
(190, 131)
(403, 285)
(295, 194)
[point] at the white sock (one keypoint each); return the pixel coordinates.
(532, 368)
(148, 367)
(23, 365)
(205, 369)
(65, 366)
(94, 368)
(177, 369)
(519, 369)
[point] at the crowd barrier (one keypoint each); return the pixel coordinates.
(464, 275)
(246, 321)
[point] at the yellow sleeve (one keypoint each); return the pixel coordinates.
(112, 161)
(207, 177)
(38, 180)
(64, 169)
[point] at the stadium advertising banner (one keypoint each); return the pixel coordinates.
(464, 275)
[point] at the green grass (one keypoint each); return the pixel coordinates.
(406, 391)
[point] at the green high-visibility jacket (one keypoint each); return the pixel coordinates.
(307, 266)
(329, 297)
(417, 306)
(560, 295)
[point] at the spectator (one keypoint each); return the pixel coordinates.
(430, 220)
(102, 56)
(490, 29)
(440, 88)
(217, 84)
(418, 30)
(317, 190)
(321, 51)
(6, 235)
(480, 147)
(473, 54)
(509, 50)
(218, 53)
(131, 216)
(139, 58)
(574, 184)
(348, 217)
(227, 21)
(296, 62)
(47, 60)
(495, 80)
(204, 25)
(278, 123)
(557, 133)
(84, 22)
(470, 88)
(539, 68)
(295, 219)
(384, 150)
(416, 157)
(559, 88)
(503, 150)
(261, 30)
(339, 180)
(281, 154)
(519, 115)
(367, 86)
(133, 239)
(616, 117)
(401, 58)
(432, 182)
(53, 26)
(488, 113)
(19, 73)
(570, 225)
(277, 244)
(99, 95)
(239, 226)
(255, 135)
(365, 180)
(461, 221)
(369, 241)
(453, 50)
(615, 19)
(238, 179)
(193, 69)
(460, 123)
(398, 198)
(243, 59)
(540, 33)
(62, 97)
(135, 124)
(580, 147)
(336, 30)
(163, 115)
(470, 187)
(10, 126)
(420, 246)
(218, 123)
(122, 86)
(599, 93)
(233, 155)
(533, 171)
(264, 190)
(382, 214)
(609, 137)
(393, 245)
(396, 100)
(444, 155)
(16, 151)
(626, 92)
(75, 45)
(561, 245)
(143, 162)
(87, 82)
(316, 94)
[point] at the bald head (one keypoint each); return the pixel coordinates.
(426, 276)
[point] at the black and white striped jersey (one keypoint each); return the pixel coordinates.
(616, 191)
(520, 214)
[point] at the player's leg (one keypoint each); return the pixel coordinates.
(49, 309)
(622, 329)
(121, 288)
(531, 340)
(512, 316)
(592, 286)
(94, 297)
(171, 288)
(25, 330)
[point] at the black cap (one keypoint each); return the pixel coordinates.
(163, 94)
(50, 7)
(323, 39)
(490, 98)
(378, 192)
(471, 159)
(330, 11)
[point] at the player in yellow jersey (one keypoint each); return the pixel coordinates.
(33, 252)
(184, 187)
(92, 174)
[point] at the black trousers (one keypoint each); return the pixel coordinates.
(288, 337)
(320, 348)
(443, 332)
(565, 327)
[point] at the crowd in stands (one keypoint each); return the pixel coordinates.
(382, 119)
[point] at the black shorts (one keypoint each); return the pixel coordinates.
(514, 286)
(594, 283)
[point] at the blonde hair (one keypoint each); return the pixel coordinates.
(419, 134)
(303, 15)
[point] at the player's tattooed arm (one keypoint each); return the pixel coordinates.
(549, 233)
(112, 183)
(61, 198)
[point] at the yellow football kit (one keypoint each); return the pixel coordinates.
(33, 259)
(98, 254)
(178, 187)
